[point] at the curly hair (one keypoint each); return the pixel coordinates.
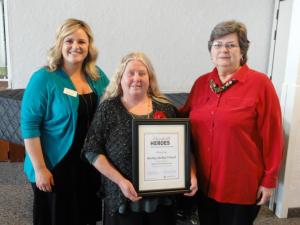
(55, 58)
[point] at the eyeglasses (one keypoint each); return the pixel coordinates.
(226, 45)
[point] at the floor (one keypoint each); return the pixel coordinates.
(16, 201)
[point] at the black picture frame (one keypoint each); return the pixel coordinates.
(154, 168)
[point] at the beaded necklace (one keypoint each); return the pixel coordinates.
(216, 89)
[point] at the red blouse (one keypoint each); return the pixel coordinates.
(237, 135)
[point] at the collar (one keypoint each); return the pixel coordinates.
(240, 75)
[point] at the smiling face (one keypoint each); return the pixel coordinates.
(227, 57)
(75, 48)
(135, 79)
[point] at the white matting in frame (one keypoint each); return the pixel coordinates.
(161, 156)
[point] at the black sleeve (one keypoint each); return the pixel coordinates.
(95, 140)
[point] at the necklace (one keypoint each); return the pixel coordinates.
(216, 89)
(145, 116)
(89, 104)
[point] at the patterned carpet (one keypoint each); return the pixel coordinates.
(16, 201)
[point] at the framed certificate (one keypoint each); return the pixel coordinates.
(161, 156)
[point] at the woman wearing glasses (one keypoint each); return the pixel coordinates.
(237, 132)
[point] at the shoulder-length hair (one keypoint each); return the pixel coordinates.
(114, 88)
(55, 58)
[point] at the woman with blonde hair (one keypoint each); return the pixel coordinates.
(57, 109)
(132, 93)
(115, 89)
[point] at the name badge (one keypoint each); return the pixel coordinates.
(70, 92)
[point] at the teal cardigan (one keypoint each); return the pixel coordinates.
(51, 114)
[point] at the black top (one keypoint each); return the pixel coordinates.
(74, 198)
(110, 134)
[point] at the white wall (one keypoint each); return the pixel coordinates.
(279, 54)
(173, 33)
(288, 77)
(2, 47)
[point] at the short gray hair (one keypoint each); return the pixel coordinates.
(229, 27)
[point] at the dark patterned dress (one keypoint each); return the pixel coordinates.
(110, 134)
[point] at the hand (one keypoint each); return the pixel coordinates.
(193, 187)
(44, 180)
(128, 190)
(263, 195)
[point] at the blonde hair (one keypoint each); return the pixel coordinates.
(55, 59)
(114, 88)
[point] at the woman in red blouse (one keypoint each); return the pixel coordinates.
(237, 132)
